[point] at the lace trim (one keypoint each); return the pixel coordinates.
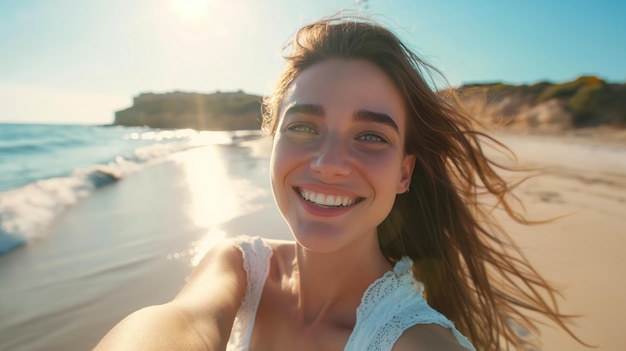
(392, 304)
(256, 256)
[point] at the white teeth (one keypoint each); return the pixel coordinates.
(327, 200)
(330, 199)
(320, 199)
(337, 201)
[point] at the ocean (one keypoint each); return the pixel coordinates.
(45, 169)
(99, 221)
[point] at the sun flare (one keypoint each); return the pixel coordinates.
(191, 9)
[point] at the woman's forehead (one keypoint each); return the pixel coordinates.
(345, 85)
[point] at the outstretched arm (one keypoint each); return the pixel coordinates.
(199, 318)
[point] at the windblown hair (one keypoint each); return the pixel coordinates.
(473, 272)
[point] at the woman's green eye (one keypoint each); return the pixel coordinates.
(301, 128)
(372, 138)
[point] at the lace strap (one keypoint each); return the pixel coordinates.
(256, 258)
(391, 305)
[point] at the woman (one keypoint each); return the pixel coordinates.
(379, 179)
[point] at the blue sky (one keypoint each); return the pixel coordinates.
(73, 61)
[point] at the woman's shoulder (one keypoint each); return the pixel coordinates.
(428, 337)
(223, 262)
(276, 255)
(257, 252)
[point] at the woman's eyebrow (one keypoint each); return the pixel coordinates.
(306, 109)
(370, 116)
(361, 115)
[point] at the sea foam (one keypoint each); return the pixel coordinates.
(26, 212)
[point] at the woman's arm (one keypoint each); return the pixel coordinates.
(199, 318)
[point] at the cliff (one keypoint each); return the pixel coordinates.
(218, 111)
(585, 102)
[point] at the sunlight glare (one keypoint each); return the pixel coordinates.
(216, 197)
(191, 9)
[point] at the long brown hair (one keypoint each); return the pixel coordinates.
(473, 272)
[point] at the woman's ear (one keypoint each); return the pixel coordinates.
(408, 163)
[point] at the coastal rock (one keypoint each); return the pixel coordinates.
(218, 111)
(553, 107)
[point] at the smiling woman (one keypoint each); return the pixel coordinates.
(382, 182)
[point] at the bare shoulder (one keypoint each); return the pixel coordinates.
(220, 274)
(427, 337)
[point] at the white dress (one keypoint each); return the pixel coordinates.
(390, 305)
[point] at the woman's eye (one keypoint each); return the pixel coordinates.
(372, 138)
(301, 128)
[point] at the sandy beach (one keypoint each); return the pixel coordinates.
(585, 182)
(132, 244)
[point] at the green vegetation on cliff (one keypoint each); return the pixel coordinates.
(585, 102)
(218, 111)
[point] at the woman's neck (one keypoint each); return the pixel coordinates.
(330, 285)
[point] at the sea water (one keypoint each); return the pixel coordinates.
(44, 169)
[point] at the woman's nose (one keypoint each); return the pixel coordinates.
(331, 159)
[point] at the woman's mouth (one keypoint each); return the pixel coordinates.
(328, 200)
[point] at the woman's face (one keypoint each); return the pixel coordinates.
(338, 155)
